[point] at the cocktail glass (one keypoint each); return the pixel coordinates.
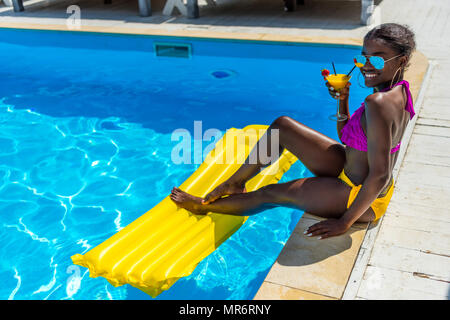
(338, 82)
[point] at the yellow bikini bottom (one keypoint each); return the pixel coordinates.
(379, 206)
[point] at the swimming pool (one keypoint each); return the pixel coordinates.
(85, 148)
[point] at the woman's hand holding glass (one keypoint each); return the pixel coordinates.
(342, 94)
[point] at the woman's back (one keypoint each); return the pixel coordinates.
(354, 133)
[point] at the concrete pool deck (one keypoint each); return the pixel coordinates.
(406, 254)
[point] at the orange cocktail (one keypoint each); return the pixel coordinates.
(338, 82)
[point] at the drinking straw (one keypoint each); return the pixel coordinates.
(351, 71)
(334, 69)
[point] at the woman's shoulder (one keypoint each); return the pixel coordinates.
(374, 98)
(380, 104)
(387, 101)
(377, 99)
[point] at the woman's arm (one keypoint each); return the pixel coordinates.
(379, 137)
(343, 104)
(343, 108)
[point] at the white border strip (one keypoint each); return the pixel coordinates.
(362, 260)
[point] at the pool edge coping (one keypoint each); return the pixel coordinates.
(371, 230)
(201, 34)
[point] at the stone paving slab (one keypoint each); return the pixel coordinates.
(317, 266)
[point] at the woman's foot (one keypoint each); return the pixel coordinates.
(224, 189)
(187, 201)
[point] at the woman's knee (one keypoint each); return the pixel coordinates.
(281, 122)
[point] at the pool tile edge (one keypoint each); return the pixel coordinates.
(190, 33)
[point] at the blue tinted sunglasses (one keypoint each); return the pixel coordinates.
(376, 61)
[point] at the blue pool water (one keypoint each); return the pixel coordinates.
(85, 148)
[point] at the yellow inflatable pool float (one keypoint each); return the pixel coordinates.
(167, 242)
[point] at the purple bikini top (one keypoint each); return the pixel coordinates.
(353, 134)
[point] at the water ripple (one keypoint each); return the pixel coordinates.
(51, 284)
(19, 282)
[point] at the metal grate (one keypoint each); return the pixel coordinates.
(176, 50)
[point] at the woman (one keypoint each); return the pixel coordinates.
(352, 182)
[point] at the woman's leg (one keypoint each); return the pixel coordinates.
(322, 155)
(322, 196)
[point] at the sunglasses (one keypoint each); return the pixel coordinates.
(376, 61)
